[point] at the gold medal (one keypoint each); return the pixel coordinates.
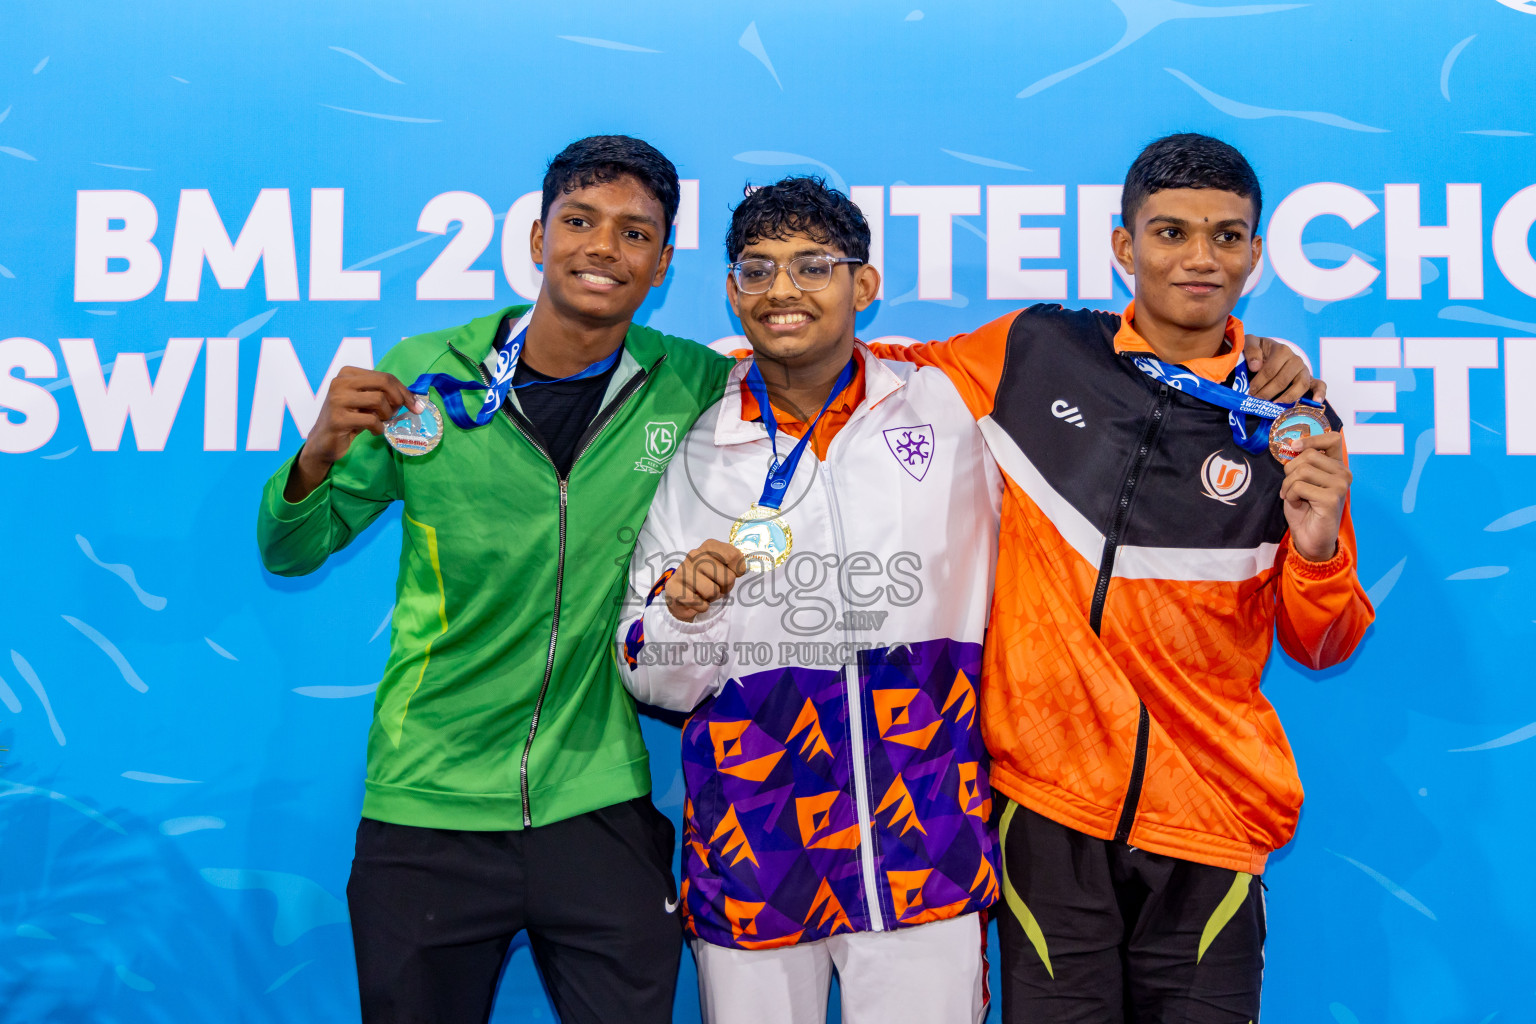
(763, 537)
(1294, 426)
(415, 433)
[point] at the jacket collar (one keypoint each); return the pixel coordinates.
(481, 339)
(478, 339)
(880, 382)
(1214, 368)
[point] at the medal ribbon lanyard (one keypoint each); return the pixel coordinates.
(783, 470)
(451, 388)
(1235, 399)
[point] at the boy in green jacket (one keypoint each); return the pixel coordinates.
(507, 781)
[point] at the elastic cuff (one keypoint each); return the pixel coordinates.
(1318, 570)
(701, 624)
(285, 511)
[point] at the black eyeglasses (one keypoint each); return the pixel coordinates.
(809, 273)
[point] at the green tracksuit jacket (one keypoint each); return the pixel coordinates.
(501, 705)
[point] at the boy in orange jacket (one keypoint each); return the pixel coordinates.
(1156, 535)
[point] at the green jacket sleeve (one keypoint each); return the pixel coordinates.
(297, 537)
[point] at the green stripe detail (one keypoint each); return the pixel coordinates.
(1225, 911)
(1016, 904)
(395, 704)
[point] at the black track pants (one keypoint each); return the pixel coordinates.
(434, 911)
(1098, 932)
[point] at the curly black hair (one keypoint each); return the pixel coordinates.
(1187, 160)
(798, 205)
(603, 158)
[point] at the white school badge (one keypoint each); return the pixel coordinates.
(763, 537)
(913, 448)
(415, 433)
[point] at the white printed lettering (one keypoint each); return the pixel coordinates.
(516, 249)
(282, 384)
(1008, 243)
(97, 243)
(1450, 359)
(151, 405)
(1459, 240)
(266, 237)
(1284, 245)
(1340, 358)
(327, 280)
(39, 411)
(935, 207)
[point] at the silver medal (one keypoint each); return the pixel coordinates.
(415, 433)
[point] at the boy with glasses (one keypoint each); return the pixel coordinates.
(837, 802)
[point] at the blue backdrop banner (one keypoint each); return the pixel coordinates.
(206, 209)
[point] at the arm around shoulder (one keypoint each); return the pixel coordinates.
(972, 361)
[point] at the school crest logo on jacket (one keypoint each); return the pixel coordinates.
(913, 448)
(660, 442)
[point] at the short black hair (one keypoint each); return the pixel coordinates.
(798, 205)
(597, 159)
(1187, 160)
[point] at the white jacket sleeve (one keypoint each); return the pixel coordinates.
(663, 660)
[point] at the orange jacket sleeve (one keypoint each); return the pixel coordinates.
(973, 362)
(1321, 611)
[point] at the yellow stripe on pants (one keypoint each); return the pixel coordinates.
(1017, 905)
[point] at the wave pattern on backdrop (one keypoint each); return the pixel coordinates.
(184, 734)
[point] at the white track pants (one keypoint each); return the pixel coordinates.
(931, 974)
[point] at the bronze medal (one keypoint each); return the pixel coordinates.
(1292, 427)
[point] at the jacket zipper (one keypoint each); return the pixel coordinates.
(526, 429)
(862, 796)
(549, 666)
(1101, 592)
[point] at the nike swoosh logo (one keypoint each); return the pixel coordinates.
(669, 905)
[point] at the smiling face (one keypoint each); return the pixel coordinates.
(1192, 251)
(802, 328)
(603, 249)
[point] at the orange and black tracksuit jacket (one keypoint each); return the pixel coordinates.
(1144, 567)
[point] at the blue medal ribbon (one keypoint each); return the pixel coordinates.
(1235, 399)
(782, 471)
(451, 388)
